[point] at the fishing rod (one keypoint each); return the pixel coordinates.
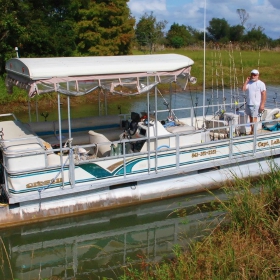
(242, 69)
(212, 83)
(259, 58)
(274, 99)
(242, 74)
(222, 78)
(196, 104)
(230, 78)
(171, 112)
(235, 81)
(209, 101)
(217, 81)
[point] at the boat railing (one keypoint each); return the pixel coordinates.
(222, 132)
(214, 109)
(181, 153)
(230, 133)
(9, 115)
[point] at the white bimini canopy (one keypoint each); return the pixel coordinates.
(132, 74)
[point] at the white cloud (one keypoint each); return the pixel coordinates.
(262, 13)
(142, 6)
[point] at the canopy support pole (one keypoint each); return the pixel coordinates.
(99, 109)
(156, 129)
(37, 117)
(29, 109)
(71, 155)
(105, 103)
(149, 136)
(60, 137)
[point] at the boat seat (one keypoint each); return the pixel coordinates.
(110, 126)
(180, 128)
(16, 129)
(112, 134)
(103, 150)
(54, 160)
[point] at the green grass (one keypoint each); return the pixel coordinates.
(246, 246)
(232, 63)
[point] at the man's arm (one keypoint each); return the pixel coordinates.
(245, 84)
(263, 100)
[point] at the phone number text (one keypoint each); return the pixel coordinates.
(204, 153)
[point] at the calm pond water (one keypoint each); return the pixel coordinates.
(139, 104)
(98, 244)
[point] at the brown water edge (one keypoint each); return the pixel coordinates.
(49, 101)
(10, 219)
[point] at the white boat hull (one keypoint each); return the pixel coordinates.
(112, 162)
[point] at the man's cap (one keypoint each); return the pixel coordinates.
(255, 71)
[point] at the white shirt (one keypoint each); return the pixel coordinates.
(255, 88)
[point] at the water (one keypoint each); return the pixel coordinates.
(139, 104)
(98, 244)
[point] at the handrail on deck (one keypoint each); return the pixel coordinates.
(9, 115)
(231, 141)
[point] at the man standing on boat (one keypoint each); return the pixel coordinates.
(256, 97)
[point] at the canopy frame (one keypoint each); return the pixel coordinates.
(75, 76)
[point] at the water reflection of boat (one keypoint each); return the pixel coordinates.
(95, 163)
(98, 243)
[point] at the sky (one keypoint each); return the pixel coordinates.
(264, 13)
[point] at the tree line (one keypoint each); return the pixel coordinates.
(150, 34)
(44, 28)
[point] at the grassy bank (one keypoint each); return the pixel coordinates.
(231, 63)
(224, 68)
(247, 246)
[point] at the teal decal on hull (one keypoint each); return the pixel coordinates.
(96, 170)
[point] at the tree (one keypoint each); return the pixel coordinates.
(10, 30)
(243, 16)
(236, 32)
(104, 28)
(149, 31)
(256, 36)
(50, 26)
(37, 28)
(218, 29)
(178, 36)
(196, 35)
